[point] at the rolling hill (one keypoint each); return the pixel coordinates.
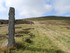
(49, 34)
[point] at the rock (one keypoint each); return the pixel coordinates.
(11, 27)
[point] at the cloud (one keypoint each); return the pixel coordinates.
(34, 8)
(61, 6)
(2, 8)
(30, 8)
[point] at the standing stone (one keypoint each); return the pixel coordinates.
(11, 28)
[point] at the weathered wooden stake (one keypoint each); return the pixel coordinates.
(11, 28)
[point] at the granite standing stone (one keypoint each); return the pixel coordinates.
(11, 28)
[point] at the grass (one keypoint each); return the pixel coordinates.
(48, 38)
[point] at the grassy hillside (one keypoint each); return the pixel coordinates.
(46, 18)
(50, 18)
(46, 35)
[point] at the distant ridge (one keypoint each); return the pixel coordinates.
(49, 18)
(40, 19)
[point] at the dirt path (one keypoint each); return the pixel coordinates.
(52, 35)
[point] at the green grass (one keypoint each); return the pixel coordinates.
(48, 38)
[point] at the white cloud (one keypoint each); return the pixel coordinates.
(2, 8)
(61, 6)
(30, 8)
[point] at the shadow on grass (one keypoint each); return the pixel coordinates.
(18, 27)
(28, 28)
(21, 32)
(18, 35)
(22, 47)
(3, 37)
(68, 27)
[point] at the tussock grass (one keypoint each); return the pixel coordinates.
(48, 38)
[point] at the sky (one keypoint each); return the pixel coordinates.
(35, 8)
